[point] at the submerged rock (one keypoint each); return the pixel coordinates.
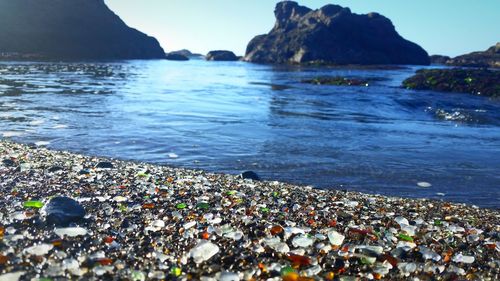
(474, 81)
(332, 35)
(221, 56)
(63, 211)
(337, 81)
(488, 58)
(77, 29)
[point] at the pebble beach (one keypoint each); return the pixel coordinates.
(68, 216)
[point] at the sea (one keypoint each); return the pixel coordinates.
(230, 117)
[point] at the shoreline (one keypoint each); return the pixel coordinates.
(146, 221)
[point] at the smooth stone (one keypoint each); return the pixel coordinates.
(459, 258)
(39, 250)
(250, 175)
(13, 276)
(63, 211)
(104, 165)
(54, 169)
(335, 238)
(302, 241)
(84, 172)
(203, 251)
(70, 231)
(229, 276)
(8, 163)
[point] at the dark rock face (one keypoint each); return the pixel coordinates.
(70, 30)
(186, 53)
(488, 58)
(439, 59)
(221, 56)
(104, 165)
(177, 57)
(63, 211)
(251, 175)
(482, 82)
(332, 35)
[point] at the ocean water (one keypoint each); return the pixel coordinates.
(234, 116)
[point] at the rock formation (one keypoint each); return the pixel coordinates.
(70, 29)
(439, 59)
(484, 82)
(221, 56)
(488, 58)
(332, 35)
(176, 56)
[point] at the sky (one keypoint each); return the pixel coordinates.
(448, 27)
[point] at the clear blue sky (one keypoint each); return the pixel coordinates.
(449, 27)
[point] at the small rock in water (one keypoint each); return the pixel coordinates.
(63, 211)
(424, 184)
(203, 251)
(250, 175)
(104, 165)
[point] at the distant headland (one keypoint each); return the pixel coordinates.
(73, 30)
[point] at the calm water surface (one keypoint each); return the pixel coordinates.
(230, 117)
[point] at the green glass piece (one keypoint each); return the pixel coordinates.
(405, 237)
(181, 206)
(175, 271)
(203, 206)
(287, 270)
(33, 204)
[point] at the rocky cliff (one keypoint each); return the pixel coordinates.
(332, 35)
(488, 58)
(70, 29)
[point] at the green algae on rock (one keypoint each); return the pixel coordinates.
(474, 81)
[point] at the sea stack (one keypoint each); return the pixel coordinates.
(332, 35)
(70, 30)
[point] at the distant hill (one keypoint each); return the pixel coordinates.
(70, 29)
(488, 58)
(332, 35)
